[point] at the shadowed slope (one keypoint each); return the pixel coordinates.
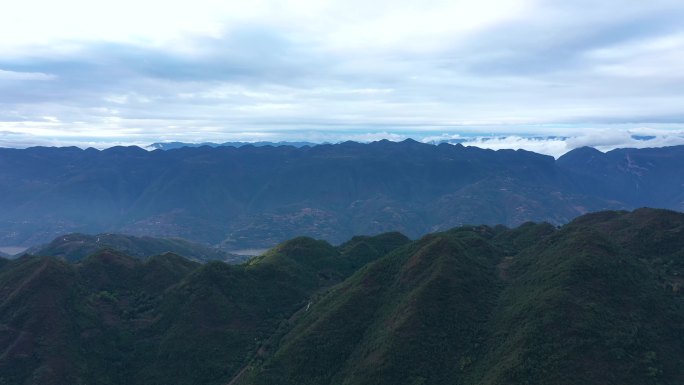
(598, 301)
(115, 319)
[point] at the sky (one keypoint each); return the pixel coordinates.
(544, 75)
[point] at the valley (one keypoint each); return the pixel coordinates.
(12, 250)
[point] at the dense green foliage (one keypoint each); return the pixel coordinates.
(597, 301)
(424, 300)
(75, 247)
(115, 319)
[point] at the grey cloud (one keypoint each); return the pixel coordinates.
(525, 48)
(528, 71)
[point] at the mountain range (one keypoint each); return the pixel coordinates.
(596, 301)
(176, 145)
(114, 319)
(255, 197)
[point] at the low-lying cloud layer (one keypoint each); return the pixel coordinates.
(516, 70)
(604, 139)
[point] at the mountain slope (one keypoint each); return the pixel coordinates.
(33, 293)
(479, 305)
(115, 319)
(416, 302)
(256, 197)
(582, 308)
(597, 301)
(636, 177)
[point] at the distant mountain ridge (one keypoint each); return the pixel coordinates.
(255, 197)
(177, 145)
(75, 247)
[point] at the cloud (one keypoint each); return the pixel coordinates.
(14, 75)
(211, 70)
(603, 139)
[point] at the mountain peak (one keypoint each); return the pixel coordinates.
(580, 155)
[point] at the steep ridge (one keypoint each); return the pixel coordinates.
(598, 301)
(33, 335)
(424, 300)
(582, 308)
(115, 319)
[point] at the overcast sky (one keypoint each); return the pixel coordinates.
(606, 73)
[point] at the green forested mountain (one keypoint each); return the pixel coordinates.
(74, 247)
(597, 301)
(114, 319)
